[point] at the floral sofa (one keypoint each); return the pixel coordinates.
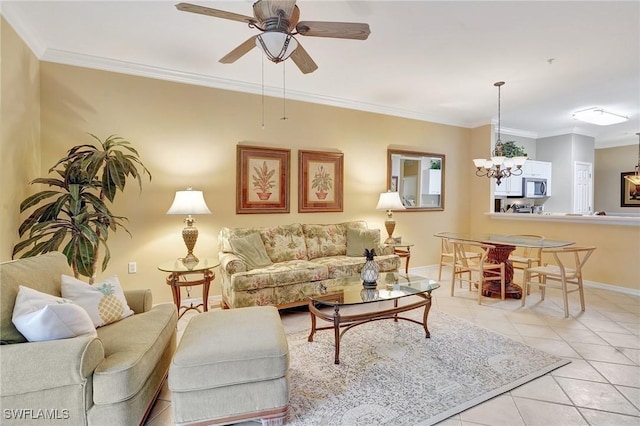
(288, 262)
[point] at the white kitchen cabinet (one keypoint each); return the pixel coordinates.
(537, 169)
(509, 187)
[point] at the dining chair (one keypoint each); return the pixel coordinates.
(463, 265)
(446, 255)
(566, 272)
(526, 257)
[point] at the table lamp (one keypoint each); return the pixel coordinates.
(189, 202)
(390, 201)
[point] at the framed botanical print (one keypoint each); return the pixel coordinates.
(320, 184)
(262, 182)
(629, 192)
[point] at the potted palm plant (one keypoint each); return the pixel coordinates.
(263, 181)
(75, 211)
(322, 182)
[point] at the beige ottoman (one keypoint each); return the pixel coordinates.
(231, 366)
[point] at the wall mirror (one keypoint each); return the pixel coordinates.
(418, 177)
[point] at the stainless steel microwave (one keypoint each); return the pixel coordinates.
(534, 187)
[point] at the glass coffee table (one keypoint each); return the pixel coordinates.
(369, 304)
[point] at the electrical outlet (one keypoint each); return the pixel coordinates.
(133, 267)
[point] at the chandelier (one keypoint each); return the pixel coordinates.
(499, 166)
(635, 178)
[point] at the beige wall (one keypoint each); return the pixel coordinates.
(187, 135)
(20, 132)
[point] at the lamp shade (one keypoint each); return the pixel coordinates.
(276, 45)
(189, 202)
(390, 201)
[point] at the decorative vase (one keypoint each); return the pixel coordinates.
(370, 269)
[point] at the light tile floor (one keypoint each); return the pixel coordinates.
(601, 386)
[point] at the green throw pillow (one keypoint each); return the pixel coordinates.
(251, 250)
(360, 239)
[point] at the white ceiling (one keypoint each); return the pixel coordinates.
(428, 60)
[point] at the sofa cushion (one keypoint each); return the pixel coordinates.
(325, 240)
(133, 348)
(40, 273)
(288, 272)
(360, 239)
(284, 242)
(104, 301)
(345, 266)
(251, 250)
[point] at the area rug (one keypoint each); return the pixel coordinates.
(389, 374)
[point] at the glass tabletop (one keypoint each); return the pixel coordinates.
(510, 240)
(350, 291)
(178, 266)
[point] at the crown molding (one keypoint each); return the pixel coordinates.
(24, 32)
(141, 70)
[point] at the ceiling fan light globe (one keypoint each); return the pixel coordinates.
(276, 45)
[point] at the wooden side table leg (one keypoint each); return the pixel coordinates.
(172, 280)
(406, 265)
(209, 275)
(336, 332)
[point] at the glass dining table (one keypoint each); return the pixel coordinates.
(503, 246)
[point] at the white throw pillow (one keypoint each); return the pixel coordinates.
(58, 321)
(29, 300)
(104, 302)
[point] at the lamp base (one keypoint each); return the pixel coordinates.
(190, 236)
(390, 226)
(190, 261)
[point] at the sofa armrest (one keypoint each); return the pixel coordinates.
(139, 300)
(231, 264)
(67, 362)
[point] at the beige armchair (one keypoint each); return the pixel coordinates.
(109, 379)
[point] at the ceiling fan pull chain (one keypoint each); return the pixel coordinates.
(284, 94)
(262, 62)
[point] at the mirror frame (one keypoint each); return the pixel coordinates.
(393, 151)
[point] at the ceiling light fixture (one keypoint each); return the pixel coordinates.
(635, 178)
(499, 166)
(276, 45)
(599, 116)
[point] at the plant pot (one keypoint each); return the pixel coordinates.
(264, 195)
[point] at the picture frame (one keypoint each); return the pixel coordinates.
(320, 181)
(262, 180)
(629, 193)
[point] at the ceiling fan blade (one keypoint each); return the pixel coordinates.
(194, 8)
(303, 61)
(239, 51)
(295, 17)
(263, 9)
(351, 30)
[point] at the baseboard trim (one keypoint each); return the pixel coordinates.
(429, 269)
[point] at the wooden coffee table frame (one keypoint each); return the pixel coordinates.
(347, 322)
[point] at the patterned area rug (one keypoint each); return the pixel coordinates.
(389, 374)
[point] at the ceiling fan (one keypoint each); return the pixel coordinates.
(278, 21)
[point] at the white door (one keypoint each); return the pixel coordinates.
(582, 188)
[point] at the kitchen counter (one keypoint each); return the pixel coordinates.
(567, 217)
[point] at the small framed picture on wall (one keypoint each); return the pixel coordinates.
(629, 192)
(320, 181)
(262, 181)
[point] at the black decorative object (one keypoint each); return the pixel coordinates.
(370, 270)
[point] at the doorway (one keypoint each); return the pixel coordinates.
(582, 188)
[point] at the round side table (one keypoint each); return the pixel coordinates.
(177, 278)
(403, 250)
